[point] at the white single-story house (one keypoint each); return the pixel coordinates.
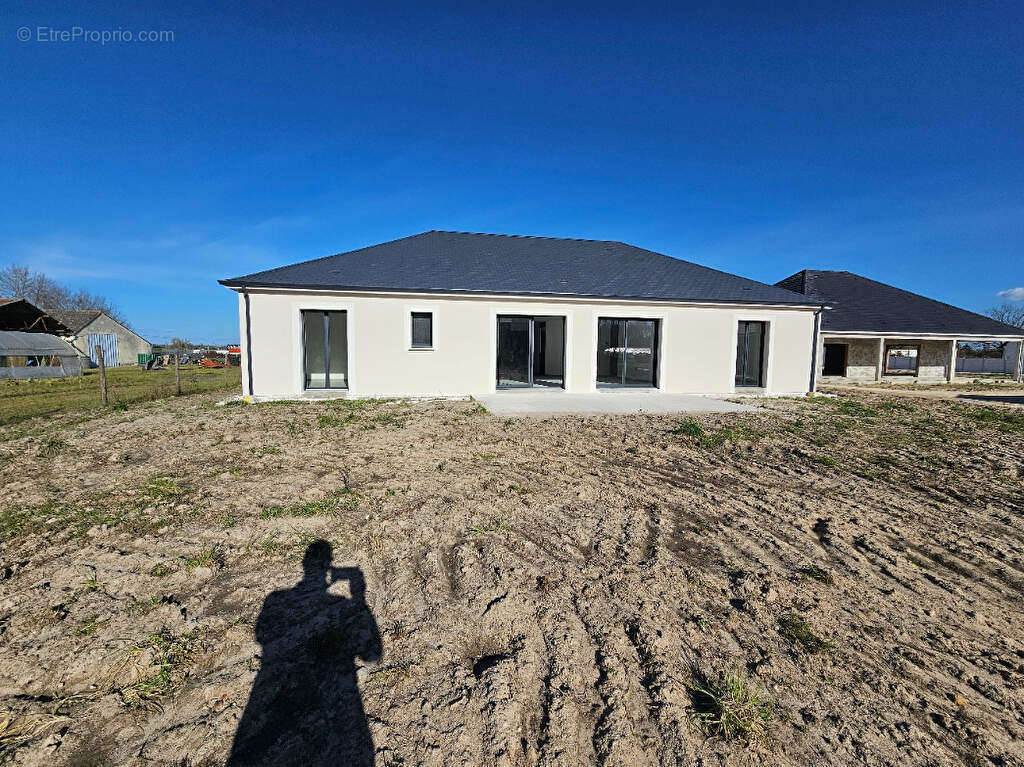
(454, 313)
(877, 332)
(91, 328)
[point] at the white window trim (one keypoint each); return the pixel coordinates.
(410, 309)
(298, 352)
(624, 313)
(568, 315)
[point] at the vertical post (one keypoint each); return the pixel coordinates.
(814, 352)
(952, 359)
(1020, 361)
(881, 360)
(177, 375)
(103, 375)
(327, 350)
(248, 348)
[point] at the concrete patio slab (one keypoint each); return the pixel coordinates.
(542, 402)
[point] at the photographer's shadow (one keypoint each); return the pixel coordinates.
(305, 707)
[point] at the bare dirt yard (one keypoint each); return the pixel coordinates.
(827, 581)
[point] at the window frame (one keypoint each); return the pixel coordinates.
(304, 314)
(656, 355)
(413, 314)
(765, 354)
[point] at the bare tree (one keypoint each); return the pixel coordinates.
(1008, 314)
(21, 282)
(181, 343)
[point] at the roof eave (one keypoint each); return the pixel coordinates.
(943, 335)
(239, 285)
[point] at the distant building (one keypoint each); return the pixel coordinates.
(877, 332)
(19, 315)
(26, 355)
(91, 328)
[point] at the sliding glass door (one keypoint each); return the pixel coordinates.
(531, 352)
(325, 349)
(627, 352)
(750, 354)
(514, 352)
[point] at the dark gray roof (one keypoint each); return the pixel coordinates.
(461, 262)
(860, 304)
(75, 319)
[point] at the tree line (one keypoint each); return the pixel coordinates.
(46, 293)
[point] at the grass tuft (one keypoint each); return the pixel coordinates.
(731, 706)
(816, 573)
(210, 557)
(161, 488)
(172, 654)
(50, 447)
(794, 628)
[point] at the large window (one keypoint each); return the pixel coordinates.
(750, 354)
(325, 342)
(627, 352)
(422, 330)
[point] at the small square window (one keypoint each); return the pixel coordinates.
(422, 330)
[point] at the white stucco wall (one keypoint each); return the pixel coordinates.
(697, 344)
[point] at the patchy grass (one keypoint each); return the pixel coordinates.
(496, 525)
(353, 412)
(146, 606)
(852, 407)
(209, 557)
(731, 706)
(333, 505)
(54, 396)
(690, 427)
(816, 573)
(162, 570)
(1003, 419)
(162, 488)
(171, 657)
(89, 626)
(68, 519)
(794, 628)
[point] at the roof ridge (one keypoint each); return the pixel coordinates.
(527, 236)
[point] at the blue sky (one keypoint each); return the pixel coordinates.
(887, 142)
